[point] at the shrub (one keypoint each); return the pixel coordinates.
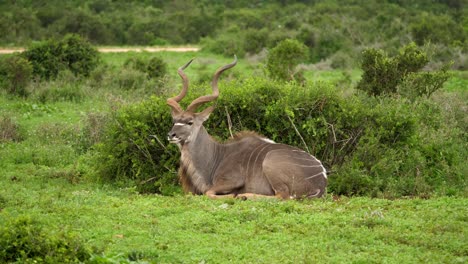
(45, 58)
(73, 53)
(59, 91)
(79, 56)
(437, 29)
(283, 59)
(227, 43)
(15, 73)
(420, 84)
(133, 148)
(406, 150)
(154, 67)
(375, 146)
(342, 60)
(383, 74)
(157, 67)
(130, 79)
(9, 129)
(92, 131)
(255, 40)
(328, 43)
(23, 240)
(380, 74)
(136, 63)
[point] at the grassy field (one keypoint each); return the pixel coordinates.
(188, 229)
(44, 176)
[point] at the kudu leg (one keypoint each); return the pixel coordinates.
(226, 184)
(212, 194)
(254, 196)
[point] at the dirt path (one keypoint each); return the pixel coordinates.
(117, 49)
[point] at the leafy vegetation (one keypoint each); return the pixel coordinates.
(9, 129)
(376, 146)
(328, 28)
(70, 53)
(15, 73)
(87, 175)
(154, 67)
(57, 147)
(385, 75)
(22, 240)
(283, 59)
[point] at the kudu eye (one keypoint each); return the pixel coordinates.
(190, 123)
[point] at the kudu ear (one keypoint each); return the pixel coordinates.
(205, 114)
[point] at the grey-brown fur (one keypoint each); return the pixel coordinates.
(247, 165)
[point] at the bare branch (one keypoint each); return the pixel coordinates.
(229, 122)
(298, 133)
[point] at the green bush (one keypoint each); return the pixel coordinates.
(23, 240)
(15, 74)
(154, 67)
(430, 28)
(9, 129)
(409, 150)
(92, 131)
(56, 91)
(420, 84)
(255, 40)
(79, 56)
(375, 146)
(157, 67)
(327, 44)
(130, 79)
(136, 63)
(227, 43)
(73, 53)
(45, 58)
(382, 75)
(283, 59)
(134, 148)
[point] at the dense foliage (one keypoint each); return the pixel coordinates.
(373, 146)
(283, 59)
(23, 240)
(335, 30)
(72, 53)
(15, 74)
(379, 146)
(134, 151)
(384, 75)
(154, 67)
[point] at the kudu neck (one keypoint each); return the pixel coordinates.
(204, 154)
(203, 144)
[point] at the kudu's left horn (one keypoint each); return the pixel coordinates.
(214, 84)
(174, 101)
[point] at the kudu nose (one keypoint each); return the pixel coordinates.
(171, 135)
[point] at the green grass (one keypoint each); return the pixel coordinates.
(46, 177)
(190, 229)
(458, 83)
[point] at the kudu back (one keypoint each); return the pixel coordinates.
(247, 166)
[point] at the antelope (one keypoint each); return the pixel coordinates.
(248, 166)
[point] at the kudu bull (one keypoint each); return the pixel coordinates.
(248, 166)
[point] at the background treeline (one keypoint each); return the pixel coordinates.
(331, 29)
